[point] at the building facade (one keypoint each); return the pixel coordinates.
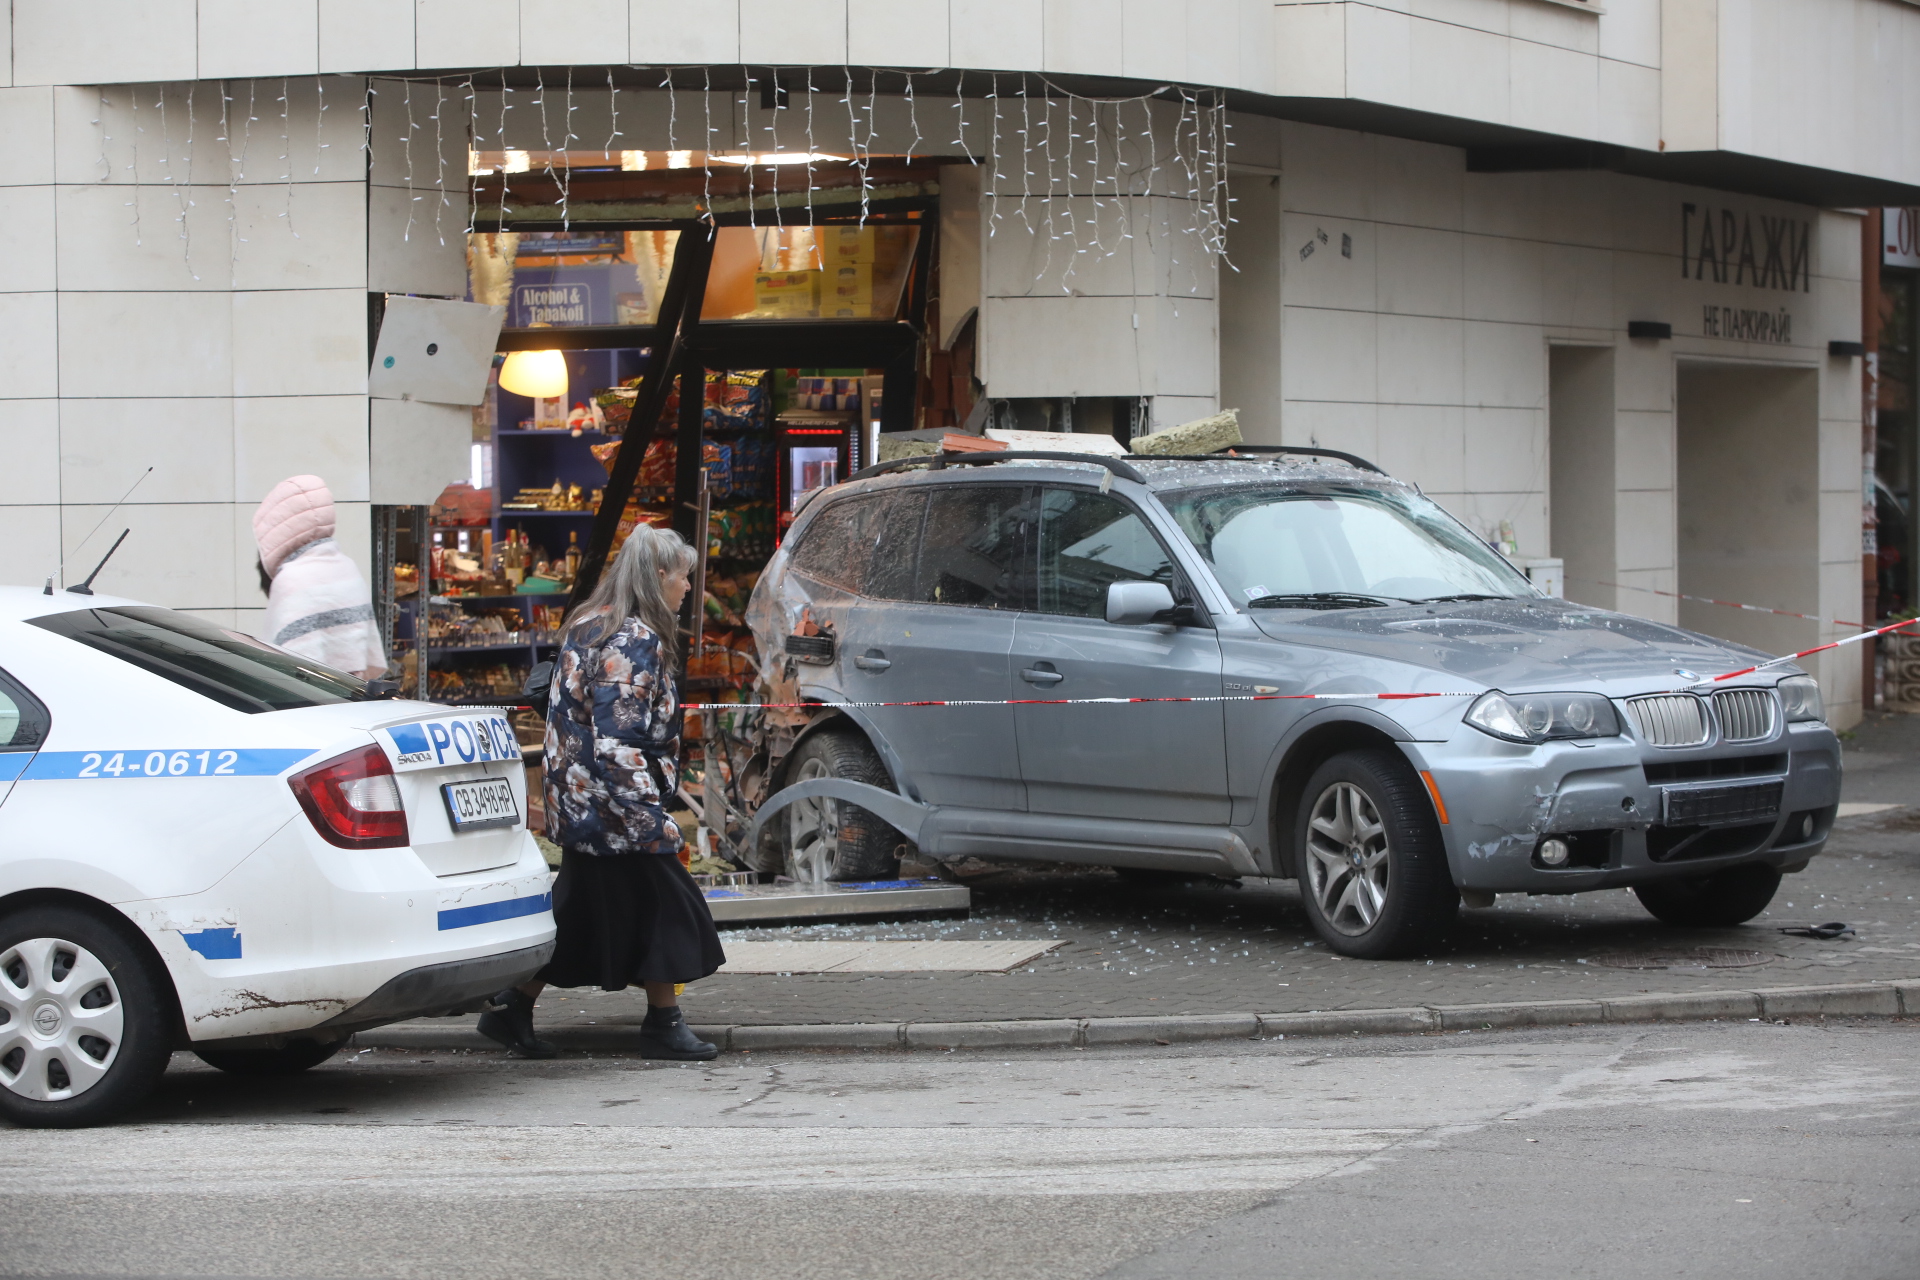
(1590, 274)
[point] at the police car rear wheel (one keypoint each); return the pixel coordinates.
(289, 1059)
(84, 1035)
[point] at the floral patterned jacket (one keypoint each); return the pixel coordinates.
(610, 708)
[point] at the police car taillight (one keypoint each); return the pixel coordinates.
(354, 800)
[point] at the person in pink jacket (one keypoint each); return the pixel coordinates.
(318, 605)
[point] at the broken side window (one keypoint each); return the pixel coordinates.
(839, 542)
(896, 543)
(977, 549)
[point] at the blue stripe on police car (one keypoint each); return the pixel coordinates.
(189, 762)
(488, 912)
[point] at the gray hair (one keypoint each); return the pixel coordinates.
(631, 587)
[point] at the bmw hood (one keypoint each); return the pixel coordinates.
(1518, 644)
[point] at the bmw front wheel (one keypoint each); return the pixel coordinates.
(1373, 870)
(84, 1035)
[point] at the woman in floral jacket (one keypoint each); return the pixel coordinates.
(626, 910)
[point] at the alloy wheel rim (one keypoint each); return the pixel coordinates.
(61, 1020)
(813, 830)
(1348, 868)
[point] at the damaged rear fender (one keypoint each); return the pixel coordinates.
(847, 718)
(906, 816)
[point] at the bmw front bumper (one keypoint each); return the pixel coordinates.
(1629, 812)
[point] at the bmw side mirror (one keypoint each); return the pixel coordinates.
(1133, 604)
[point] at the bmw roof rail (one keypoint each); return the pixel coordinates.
(942, 460)
(1249, 451)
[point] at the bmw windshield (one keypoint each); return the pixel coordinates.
(1339, 548)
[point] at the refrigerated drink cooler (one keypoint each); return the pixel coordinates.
(817, 449)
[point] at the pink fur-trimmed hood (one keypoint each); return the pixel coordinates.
(298, 511)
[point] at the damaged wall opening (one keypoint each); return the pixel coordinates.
(1748, 493)
(1581, 442)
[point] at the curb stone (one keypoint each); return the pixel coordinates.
(850, 1035)
(1349, 1022)
(1692, 1006)
(1871, 999)
(1523, 1013)
(1210, 1026)
(1050, 1033)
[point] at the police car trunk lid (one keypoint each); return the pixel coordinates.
(430, 746)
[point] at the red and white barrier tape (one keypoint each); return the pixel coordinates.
(1238, 697)
(1819, 648)
(1071, 702)
(1728, 604)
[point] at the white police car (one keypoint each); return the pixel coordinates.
(207, 843)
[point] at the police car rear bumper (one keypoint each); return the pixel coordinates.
(435, 990)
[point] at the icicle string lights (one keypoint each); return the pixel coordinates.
(286, 157)
(746, 130)
(913, 118)
(473, 139)
(505, 106)
(566, 169)
(1080, 160)
(613, 108)
(319, 122)
(810, 146)
(773, 136)
(706, 159)
(406, 143)
(439, 159)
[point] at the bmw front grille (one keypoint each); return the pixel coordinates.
(1670, 719)
(1746, 715)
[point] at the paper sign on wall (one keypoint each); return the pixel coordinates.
(434, 350)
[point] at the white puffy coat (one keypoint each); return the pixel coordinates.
(320, 608)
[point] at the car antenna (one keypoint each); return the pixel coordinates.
(48, 590)
(86, 588)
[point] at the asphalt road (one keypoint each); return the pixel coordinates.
(1741, 1150)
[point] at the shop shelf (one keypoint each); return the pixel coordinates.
(441, 650)
(597, 437)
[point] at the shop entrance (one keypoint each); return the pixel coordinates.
(1748, 494)
(1582, 499)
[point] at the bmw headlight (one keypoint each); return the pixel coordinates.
(1543, 717)
(1800, 695)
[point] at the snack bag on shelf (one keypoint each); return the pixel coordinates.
(632, 517)
(737, 400)
(717, 458)
(657, 468)
(616, 406)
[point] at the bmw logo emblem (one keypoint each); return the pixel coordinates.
(1685, 674)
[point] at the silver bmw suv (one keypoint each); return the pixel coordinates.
(1120, 646)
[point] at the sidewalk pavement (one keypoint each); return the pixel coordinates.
(1224, 954)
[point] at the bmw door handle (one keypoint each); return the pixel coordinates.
(1042, 675)
(873, 660)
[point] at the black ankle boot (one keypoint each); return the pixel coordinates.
(509, 1019)
(665, 1034)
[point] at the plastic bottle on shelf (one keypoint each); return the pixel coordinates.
(573, 555)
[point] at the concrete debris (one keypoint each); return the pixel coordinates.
(1203, 435)
(1058, 441)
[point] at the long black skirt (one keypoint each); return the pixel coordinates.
(627, 919)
